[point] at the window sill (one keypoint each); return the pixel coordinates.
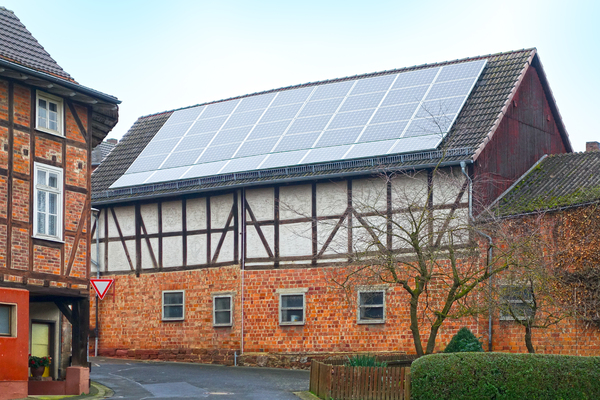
(48, 238)
(50, 132)
(222, 325)
(173, 320)
(300, 323)
(371, 322)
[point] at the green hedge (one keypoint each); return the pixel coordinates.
(503, 376)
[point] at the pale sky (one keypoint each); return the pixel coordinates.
(158, 55)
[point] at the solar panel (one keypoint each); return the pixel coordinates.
(363, 117)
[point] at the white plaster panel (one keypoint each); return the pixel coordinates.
(409, 190)
(295, 201)
(339, 243)
(173, 251)
(100, 228)
(457, 225)
(196, 249)
(400, 230)
(196, 214)
(446, 186)
(220, 207)
(149, 214)
(226, 253)
(117, 260)
(261, 201)
(295, 240)
(126, 218)
(255, 247)
(146, 258)
(93, 257)
(171, 216)
(369, 195)
(362, 240)
(332, 198)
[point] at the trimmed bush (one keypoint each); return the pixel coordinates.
(463, 341)
(503, 376)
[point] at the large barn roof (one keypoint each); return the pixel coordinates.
(557, 181)
(472, 129)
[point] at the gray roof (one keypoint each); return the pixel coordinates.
(473, 127)
(18, 45)
(555, 182)
(101, 151)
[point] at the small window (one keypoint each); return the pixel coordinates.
(516, 302)
(49, 116)
(48, 202)
(371, 307)
(222, 310)
(173, 302)
(291, 309)
(7, 319)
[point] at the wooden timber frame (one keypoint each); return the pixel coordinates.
(270, 243)
(67, 287)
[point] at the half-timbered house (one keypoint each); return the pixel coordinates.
(48, 125)
(221, 222)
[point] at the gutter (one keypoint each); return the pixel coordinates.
(489, 252)
(61, 82)
(150, 195)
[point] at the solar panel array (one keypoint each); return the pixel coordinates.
(363, 117)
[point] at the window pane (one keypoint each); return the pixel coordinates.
(41, 196)
(42, 105)
(53, 180)
(371, 298)
(42, 113)
(52, 225)
(52, 107)
(4, 320)
(222, 317)
(41, 177)
(173, 311)
(367, 313)
(41, 223)
(291, 301)
(222, 303)
(52, 197)
(292, 316)
(173, 298)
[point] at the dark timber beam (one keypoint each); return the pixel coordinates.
(66, 311)
(80, 332)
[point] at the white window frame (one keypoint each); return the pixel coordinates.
(219, 296)
(59, 203)
(360, 320)
(292, 292)
(182, 305)
(59, 111)
(505, 291)
(12, 316)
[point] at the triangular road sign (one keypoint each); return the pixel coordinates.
(101, 286)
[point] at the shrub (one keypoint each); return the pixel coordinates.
(36, 362)
(464, 340)
(364, 361)
(502, 376)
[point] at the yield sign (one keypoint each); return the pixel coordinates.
(101, 286)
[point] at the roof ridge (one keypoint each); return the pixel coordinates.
(340, 79)
(6, 9)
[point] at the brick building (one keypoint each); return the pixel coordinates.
(48, 125)
(560, 197)
(222, 223)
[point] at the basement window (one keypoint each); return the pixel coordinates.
(222, 310)
(292, 306)
(173, 305)
(8, 315)
(49, 115)
(371, 307)
(516, 302)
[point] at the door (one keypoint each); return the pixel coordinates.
(41, 341)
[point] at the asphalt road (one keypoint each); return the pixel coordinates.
(168, 380)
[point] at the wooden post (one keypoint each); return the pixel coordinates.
(80, 332)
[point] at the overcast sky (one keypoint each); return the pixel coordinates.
(161, 55)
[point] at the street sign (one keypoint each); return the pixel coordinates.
(101, 286)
